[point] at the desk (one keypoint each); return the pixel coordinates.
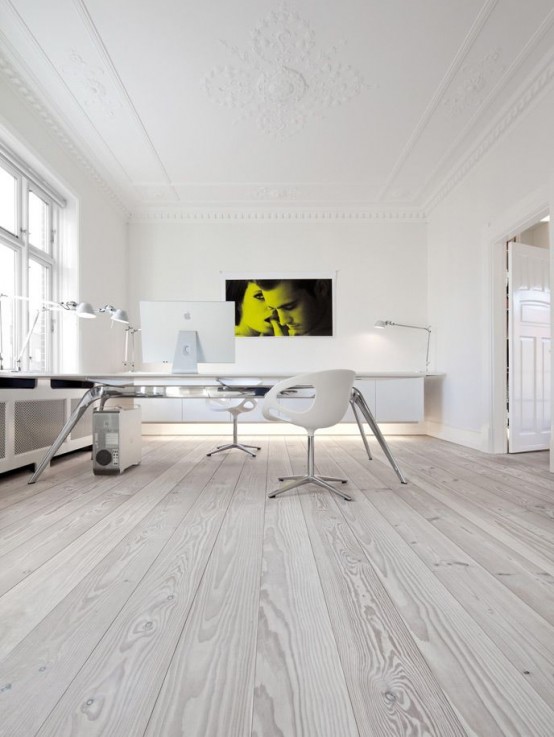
(102, 388)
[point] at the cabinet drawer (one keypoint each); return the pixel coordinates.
(399, 400)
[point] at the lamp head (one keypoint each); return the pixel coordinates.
(82, 309)
(117, 315)
(85, 309)
(120, 316)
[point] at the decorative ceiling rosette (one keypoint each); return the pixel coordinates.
(283, 79)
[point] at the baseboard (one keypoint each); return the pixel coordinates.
(468, 438)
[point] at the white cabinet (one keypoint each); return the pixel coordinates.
(161, 409)
(399, 400)
(367, 388)
(394, 399)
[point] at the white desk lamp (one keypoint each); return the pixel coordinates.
(387, 323)
(117, 315)
(81, 309)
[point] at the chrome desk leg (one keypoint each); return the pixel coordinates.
(360, 427)
(90, 396)
(358, 398)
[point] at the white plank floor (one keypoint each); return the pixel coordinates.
(177, 600)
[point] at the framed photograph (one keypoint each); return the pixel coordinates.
(281, 305)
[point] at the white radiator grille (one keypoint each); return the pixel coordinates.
(37, 423)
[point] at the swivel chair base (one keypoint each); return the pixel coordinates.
(310, 479)
(235, 411)
(240, 446)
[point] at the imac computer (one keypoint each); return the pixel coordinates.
(184, 334)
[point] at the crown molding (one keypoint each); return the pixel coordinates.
(272, 215)
(535, 85)
(24, 89)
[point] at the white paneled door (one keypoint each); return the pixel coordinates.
(529, 348)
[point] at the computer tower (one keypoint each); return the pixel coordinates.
(116, 437)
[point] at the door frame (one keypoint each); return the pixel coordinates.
(518, 218)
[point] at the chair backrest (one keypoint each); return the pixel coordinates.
(333, 390)
(234, 405)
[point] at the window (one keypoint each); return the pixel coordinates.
(29, 261)
(8, 185)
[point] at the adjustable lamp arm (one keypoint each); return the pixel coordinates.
(29, 335)
(403, 325)
(386, 323)
(81, 309)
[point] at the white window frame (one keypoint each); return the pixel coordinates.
(23, 310)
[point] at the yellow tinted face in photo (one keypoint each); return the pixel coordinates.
(255, 312)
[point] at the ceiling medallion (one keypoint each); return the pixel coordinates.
(92, 80)
(475, 79)
(283, 79)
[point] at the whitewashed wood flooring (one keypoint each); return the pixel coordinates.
(176, 600)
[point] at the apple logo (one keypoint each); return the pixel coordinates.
(187, 315)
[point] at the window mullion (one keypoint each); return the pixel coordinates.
(38, 255)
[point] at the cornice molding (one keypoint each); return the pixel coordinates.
(23, 89)
(258, 214)
(519, 105)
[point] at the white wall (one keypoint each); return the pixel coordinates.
(381, 274)
(98, 224)
(511, 180)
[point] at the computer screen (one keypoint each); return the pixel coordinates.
(182, 333)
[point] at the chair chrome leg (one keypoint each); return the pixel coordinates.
(288, 487)
(235, 443)
(310, 477)
(240, 446)
(320, 482)
(325, 478)
(301, 480)
(230, 446)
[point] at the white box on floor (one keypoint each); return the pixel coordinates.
(117, 439)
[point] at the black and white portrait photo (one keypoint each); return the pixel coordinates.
(281, 306)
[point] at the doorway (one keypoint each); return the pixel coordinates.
(528, 340)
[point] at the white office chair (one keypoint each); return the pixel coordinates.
(235, 407)
(333, 390)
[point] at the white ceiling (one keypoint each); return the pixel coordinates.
(254, 103)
